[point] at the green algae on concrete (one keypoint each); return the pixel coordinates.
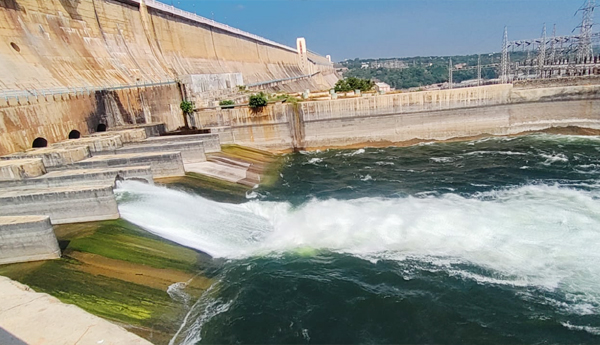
(123, 241)
(267, 163)
(264, 163)
(117, 271)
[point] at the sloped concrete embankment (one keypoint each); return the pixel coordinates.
(54, 52)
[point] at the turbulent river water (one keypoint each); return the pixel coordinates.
(495, 240)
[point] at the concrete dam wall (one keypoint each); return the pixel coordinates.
(429, 115)
(72, 64)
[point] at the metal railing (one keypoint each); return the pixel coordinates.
(282, 80)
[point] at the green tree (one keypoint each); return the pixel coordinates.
(353, 83)
(187, 107)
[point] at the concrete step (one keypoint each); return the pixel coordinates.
(127, 135)
(152, 129)
(223, 172)
(211, 141)
(53, 156)
(162, 164)
(27, 238)
(19, 169)
(191, 151)
(72, 204)
(83, 176)
(95, 144)
(228, 161)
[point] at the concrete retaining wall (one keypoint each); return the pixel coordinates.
(27, 238)
(211, 142)
(62, 204)
(104, 176)
(53, 117)
(268, 128)
(447, 124)
(429, 115)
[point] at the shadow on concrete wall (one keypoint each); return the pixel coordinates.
(11, 5)
(7, 338)
(71, 7)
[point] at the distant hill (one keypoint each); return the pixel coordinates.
(404, 73)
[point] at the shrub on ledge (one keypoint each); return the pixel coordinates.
(258, 101)
(226, 104)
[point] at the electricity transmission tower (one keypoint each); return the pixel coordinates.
(585, 51)
(504, 62)
(556, 56)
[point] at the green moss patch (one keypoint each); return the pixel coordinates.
(129, 302)
(120, 240)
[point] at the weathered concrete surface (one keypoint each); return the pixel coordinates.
(40, 319)
(230, 173)
(19, 169)
(94, 144)
(58, 44)
(268, 128)
(163, 164)
(127, 135)
(191, 151)
(153, 129)
(53, 117)
(63, 204)
(104, 176)
(27, 238)
(53, 156)
(212, 142)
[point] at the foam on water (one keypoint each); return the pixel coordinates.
(544, 236)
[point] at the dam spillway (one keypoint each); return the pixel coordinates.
(73, 65)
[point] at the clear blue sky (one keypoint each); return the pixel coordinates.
(348, 29)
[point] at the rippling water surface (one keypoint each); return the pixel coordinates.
(495, 240)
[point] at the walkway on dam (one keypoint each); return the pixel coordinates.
(29, 317)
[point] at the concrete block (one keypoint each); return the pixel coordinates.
(104, 176)
(53, 156)
(19, 169)
(27, 238)
(62, 204)
(191, 151)
(152, 129)
(95, 144)
(224, 133)
(127, 135)
(212, 142)
(162, 164)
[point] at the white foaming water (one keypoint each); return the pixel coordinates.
(544, 236)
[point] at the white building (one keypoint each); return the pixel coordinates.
(382, 87)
